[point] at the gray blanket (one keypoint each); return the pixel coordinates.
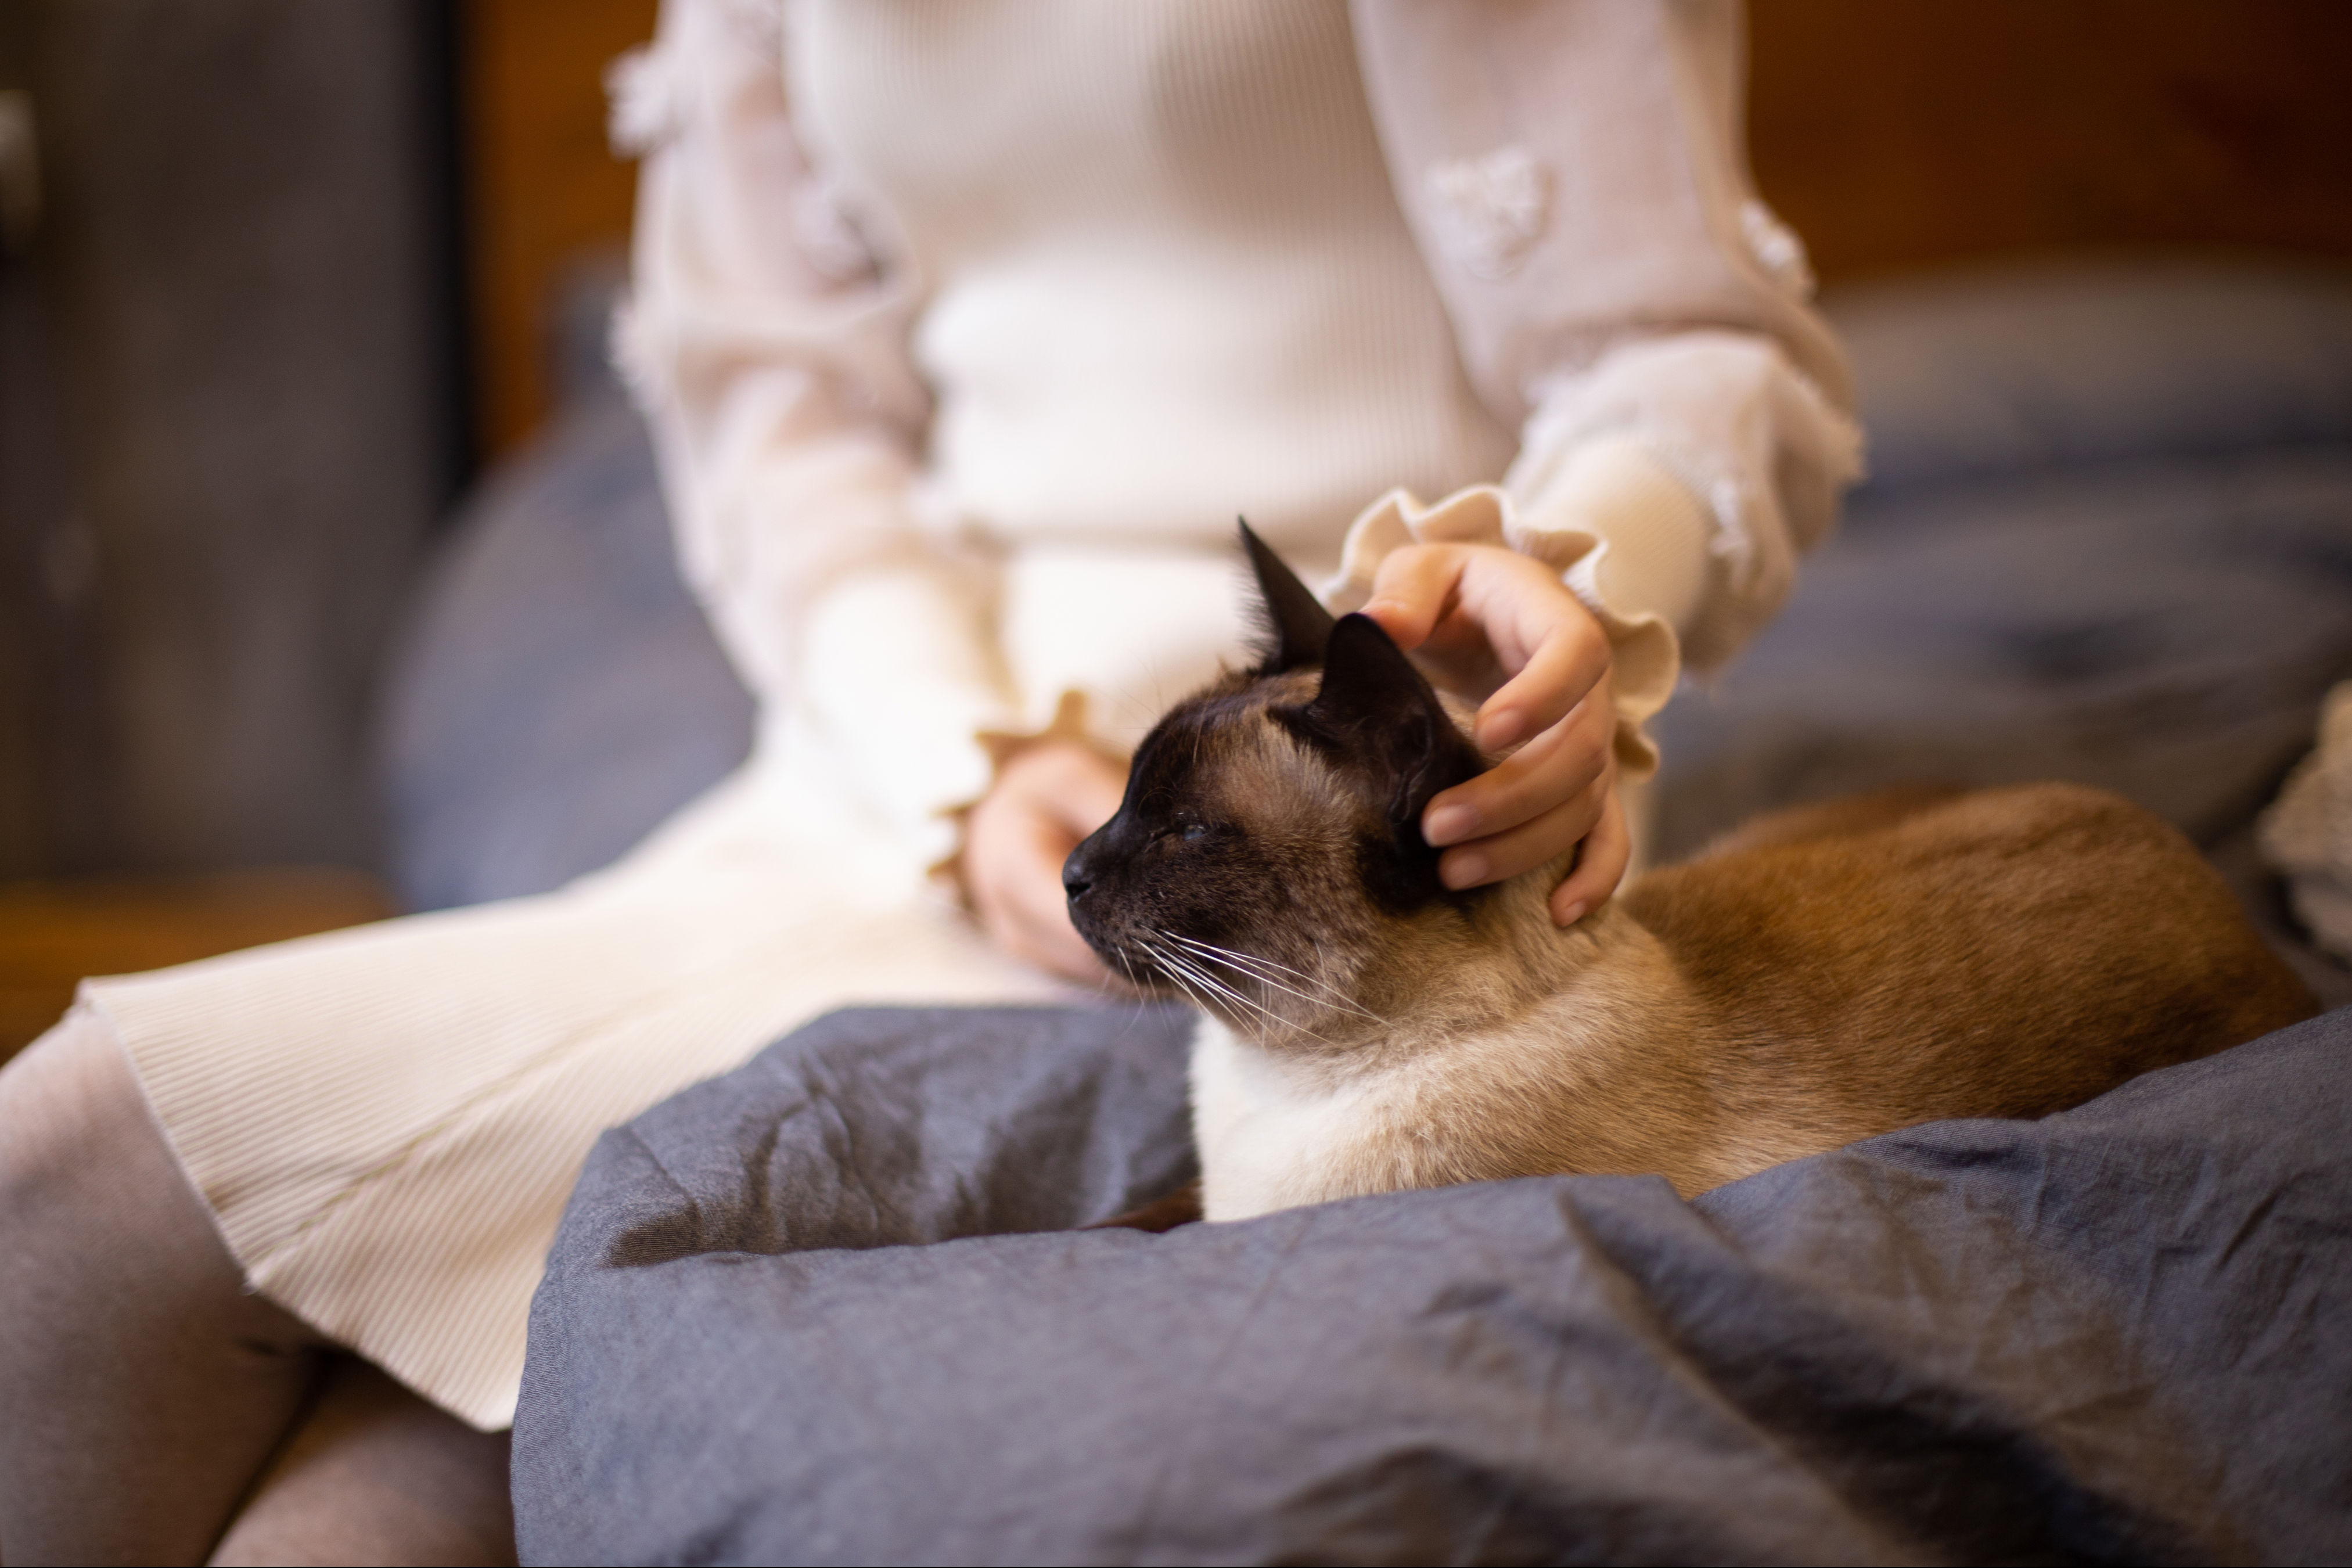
(827, 1309)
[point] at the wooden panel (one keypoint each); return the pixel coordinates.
(1897, 132)
(542, 187)
(53, 933)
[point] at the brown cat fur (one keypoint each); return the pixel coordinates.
(1820, 975)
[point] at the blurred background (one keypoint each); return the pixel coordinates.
(312, 483)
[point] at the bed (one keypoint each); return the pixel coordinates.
(831, 1307)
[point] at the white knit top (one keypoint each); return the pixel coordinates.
(970, 330)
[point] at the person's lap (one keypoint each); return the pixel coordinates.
(383, 1125)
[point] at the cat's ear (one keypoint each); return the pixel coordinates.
(1382, 712)
(1293, 624)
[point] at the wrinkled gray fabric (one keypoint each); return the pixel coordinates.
(2166, 631)
(775, 1328)
(2107, 537)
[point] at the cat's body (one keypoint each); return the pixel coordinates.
(1831, 974)
(1823, 975)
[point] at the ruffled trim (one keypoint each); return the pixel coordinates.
(1776, 248)
(1749, 434)
(649, 89)
(645, 102)
(1645, 656)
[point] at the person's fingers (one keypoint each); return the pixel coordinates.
(1500, 856)
(1414, 589)
(1568, 661)
(1039, 906)
(1491, 618)
(990, 902)
(1555, 766)
(1545, 647)
(1608, 849)
(1073, 785)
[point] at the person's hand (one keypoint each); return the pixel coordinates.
(1490, 622)
(1044, 801)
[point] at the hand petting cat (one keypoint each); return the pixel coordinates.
(1485, 622)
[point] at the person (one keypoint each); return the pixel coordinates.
(964, 334)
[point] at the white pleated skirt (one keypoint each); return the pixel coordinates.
(386, 1121)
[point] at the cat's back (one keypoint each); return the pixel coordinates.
(1927, 953)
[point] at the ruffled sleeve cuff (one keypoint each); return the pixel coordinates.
(1633, 584)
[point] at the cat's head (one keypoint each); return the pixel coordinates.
(1268, 852)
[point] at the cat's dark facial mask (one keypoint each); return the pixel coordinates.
(1271, 826)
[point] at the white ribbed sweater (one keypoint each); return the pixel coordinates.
(990, 319)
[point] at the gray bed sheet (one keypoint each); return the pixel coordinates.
(827, 1310)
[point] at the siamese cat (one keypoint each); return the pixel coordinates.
(1822, 974)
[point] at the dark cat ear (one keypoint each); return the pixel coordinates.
(1295, 625)
(1378, 709)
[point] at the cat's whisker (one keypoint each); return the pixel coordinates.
(1257, 965)
(1211, 947)
(1214, 957)
(1267, 972)
(1184, 970)
(1250, 974)
(1205, 981)
(1186, 984)
(1180, 963)
(1257, 968)
(1190, 966)
(1142, 992)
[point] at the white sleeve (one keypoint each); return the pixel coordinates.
(765, 336)
(1576, 176)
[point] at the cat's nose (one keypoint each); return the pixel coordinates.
(1076, 876)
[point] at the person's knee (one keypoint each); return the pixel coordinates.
(80, 1151)
(59, 1107)
(102, 1228)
